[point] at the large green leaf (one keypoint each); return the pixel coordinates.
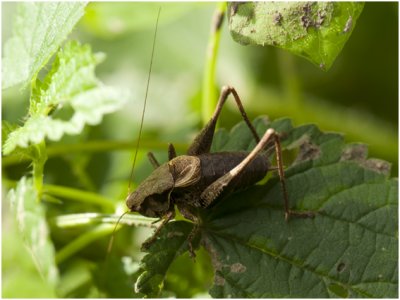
(38, 30)
(314, 30)
(31, 220)
(165, 272)
(348, 250)
(69, 97)
(171, 243)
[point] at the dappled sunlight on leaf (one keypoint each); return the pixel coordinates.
(71, 82)
(39, 30)
(314, 30)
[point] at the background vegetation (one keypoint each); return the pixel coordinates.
(358, 97)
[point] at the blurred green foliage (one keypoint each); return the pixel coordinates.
(358, 97)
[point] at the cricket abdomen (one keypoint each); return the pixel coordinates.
(215, 165)
(209, 167)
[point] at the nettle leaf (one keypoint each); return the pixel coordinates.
(348, 250)
(171, 243)
(31, 220)
(38, 31)
(314, 30)
(69, 97)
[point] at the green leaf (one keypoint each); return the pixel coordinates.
(69, 97)
(32, 152)
(316, 31)
(170, 244)
(189, 278)
(38, 30)
(30, 216)
(115, 276)
(348, 250)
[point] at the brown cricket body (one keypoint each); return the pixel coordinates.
(182, 180)
(199, 178)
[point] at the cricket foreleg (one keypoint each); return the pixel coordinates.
(202, 142)
(165, 219)
(190, 239)
(189, 213)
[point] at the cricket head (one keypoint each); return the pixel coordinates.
(152, 196)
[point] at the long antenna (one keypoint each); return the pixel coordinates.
(145, 101)
(110, 243)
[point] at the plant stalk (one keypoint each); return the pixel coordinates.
(209, 94)
(80, 196)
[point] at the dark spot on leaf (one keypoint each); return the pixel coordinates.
(340, 267)
(305, 19)
(307, 151)
(378, 165)
(218, 280)
(321, 14)
(238, 268)
(277, 18)
(307, 8)
(359, 153)
(356, 152)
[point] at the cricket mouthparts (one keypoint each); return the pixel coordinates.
(130, 203)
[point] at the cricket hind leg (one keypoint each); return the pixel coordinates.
(217, 187)
(202, 142)
(279, 162)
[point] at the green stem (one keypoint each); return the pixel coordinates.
(290, 82)
(209, 95)
(38, 167)
(96, 233)
(85, 219)
(94, 146)
(82, 241)
(78, 195)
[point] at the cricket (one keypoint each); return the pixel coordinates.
(200, 178)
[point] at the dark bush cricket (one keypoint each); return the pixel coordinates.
(196, 180)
